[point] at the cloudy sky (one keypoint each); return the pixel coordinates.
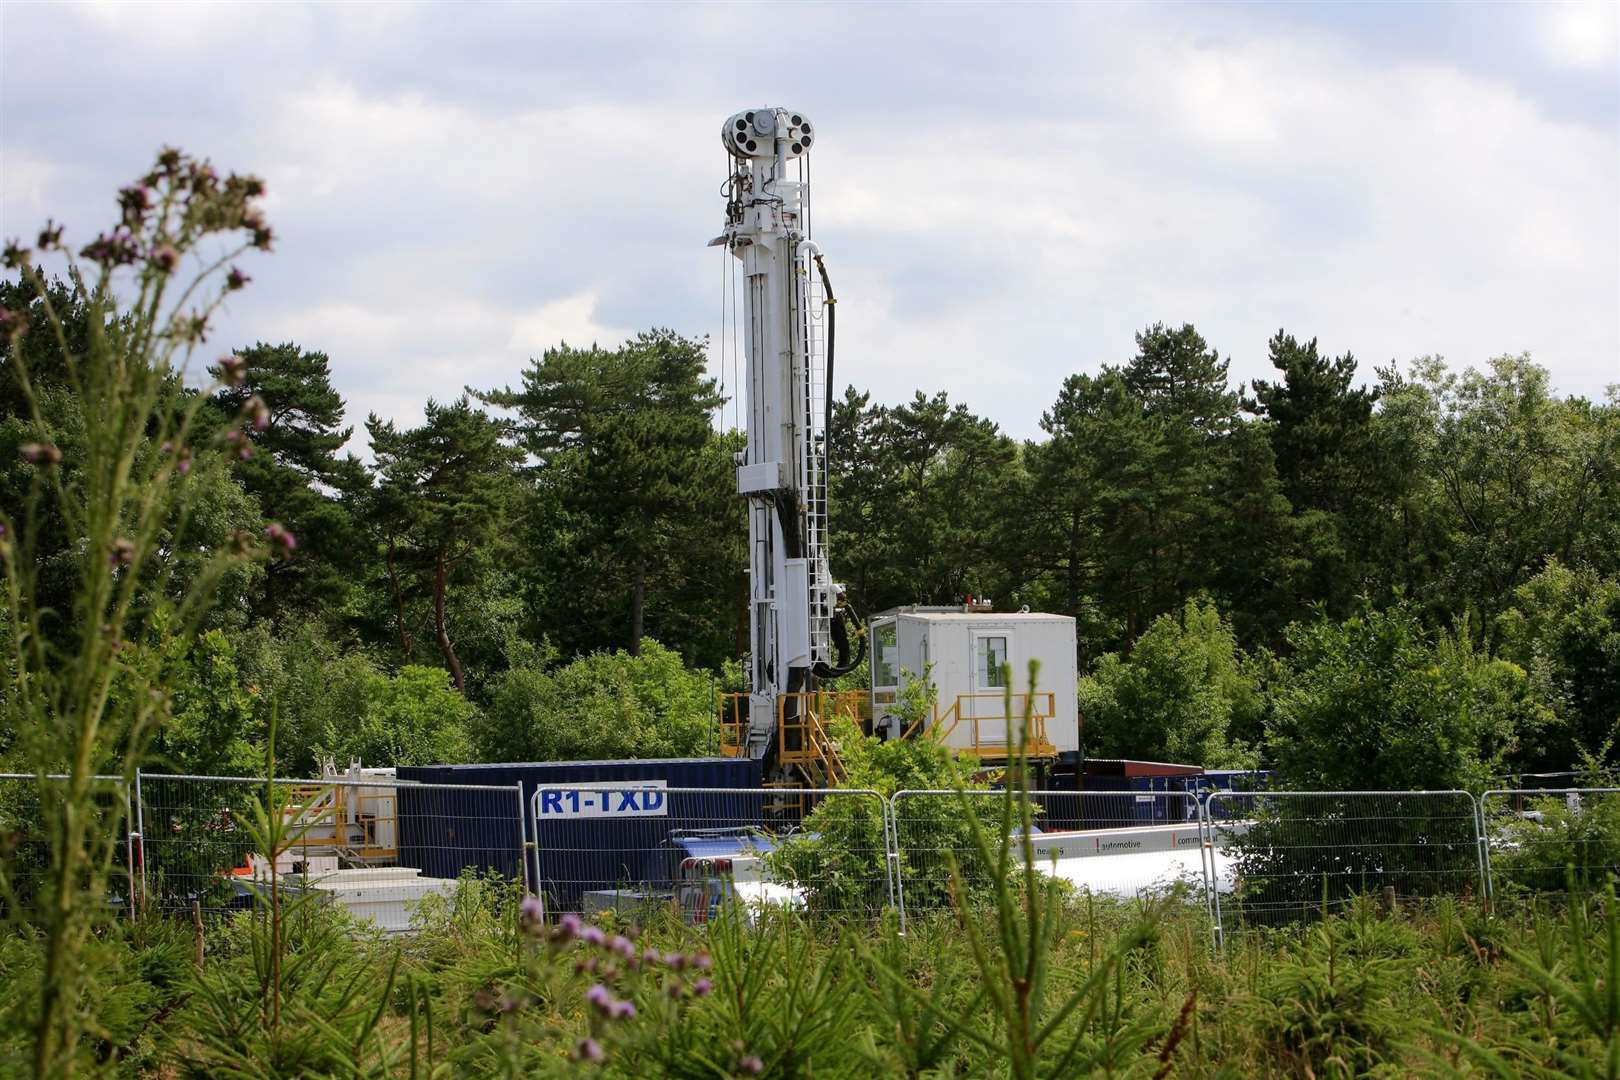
(1006, 193)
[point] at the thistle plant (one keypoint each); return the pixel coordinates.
(112, 489)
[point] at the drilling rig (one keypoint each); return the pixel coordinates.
(801, 633)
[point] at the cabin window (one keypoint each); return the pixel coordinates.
(991, 658)
(885, 656)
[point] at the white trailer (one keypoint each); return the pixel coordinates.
(961, 652)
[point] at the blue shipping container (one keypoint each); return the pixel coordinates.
(574, 855)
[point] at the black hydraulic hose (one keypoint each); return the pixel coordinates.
(844, 618)
(827, 383)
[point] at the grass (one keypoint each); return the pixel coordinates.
(1439, 990)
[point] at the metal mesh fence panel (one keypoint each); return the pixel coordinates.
(378, 849)
(1113, 843)
(28, 809)
(636, 848)
(1540, 840)
(1278, 857)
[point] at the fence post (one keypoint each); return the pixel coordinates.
(129, 851)
(1485, 848)
(1479, 848)
(523, 837)
(1214, 873)
(899, 876)
(1206, 855)
(138, 837)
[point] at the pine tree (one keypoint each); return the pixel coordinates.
(446, 492)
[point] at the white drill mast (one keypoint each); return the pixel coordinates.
(792, 599)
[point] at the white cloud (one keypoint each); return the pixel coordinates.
(455, 189)
(1581, 34)
(571, 319)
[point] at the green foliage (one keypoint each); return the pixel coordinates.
(1028, 1020)
(211, 729)
(635, 484)
(445, 494)
(837, 859)
(101, 564)
(414, 717)
(1557, 841)
(131, 975)
(1327, 1007)
(1178, 696)
(923, 461)
(1375, 703)
(297, 477)
(601, 706)
(1564, 629)
(1319, 426)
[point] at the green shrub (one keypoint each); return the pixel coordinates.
(1375, 704)
(607, 705)
(1178, 696)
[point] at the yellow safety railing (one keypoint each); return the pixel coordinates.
(733, 724)
(993, 720)
(323, 814)
(803, 736)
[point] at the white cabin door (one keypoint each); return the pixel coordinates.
(992, 651)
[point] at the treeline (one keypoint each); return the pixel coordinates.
(1427, 564)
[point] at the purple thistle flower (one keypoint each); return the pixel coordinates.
(50, 235)
(622, 1010)
(600, 999)
(702, 988)
(16, 255)
(531, 913)
(41, 453)
(135, 201)
(676, 961)
(257, 412)
(569, 925)
(622, 945)
(592, 935)
(590, 1050)
(165, 258)
(652, 958)
(280, 537)
(122, 553)
(232, 370)
(751, 1065)
(701, 961)
(236, 279)
(673, 988)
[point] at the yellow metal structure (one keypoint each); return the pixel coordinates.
(805, 743)
(358, 824)
(804, 740)
(992, 721)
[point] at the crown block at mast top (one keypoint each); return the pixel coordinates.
(761, 200)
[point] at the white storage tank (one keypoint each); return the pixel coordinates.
(961, 651)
